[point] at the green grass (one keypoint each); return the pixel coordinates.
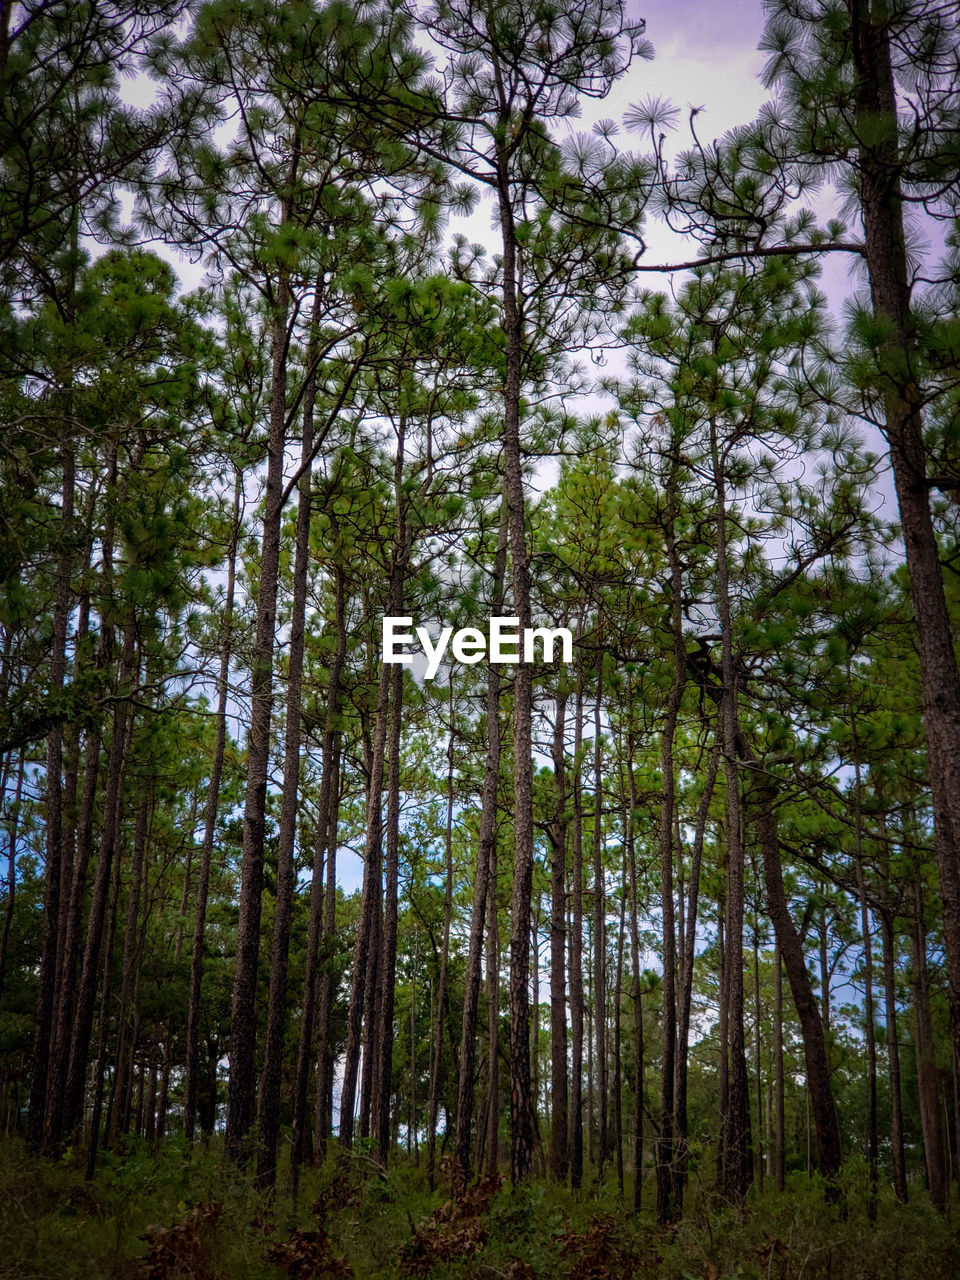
(181, 1214)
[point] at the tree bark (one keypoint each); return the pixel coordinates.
(599, 921)
(437, 1055)
(638, 1045)
(323, 901)
(576, 952)
(11, 861)
(559, 1098)
(484, 889)
(779, 1165)
(269, 1099)
(369, 910)
(93, 947)
(192, 1065)
(241, 1092)
(388, 967)
(669, 1193)
(893, 1056)
(47, 993)
(735, 1136)
(811, 1025)
(927, 1084)
(685, 995)
(521, 1102)
(493, 1018)
(879, 166)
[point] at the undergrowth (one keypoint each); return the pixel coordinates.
(184, 1214)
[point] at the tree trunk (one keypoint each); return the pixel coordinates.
(599, 921)
(668, 1180)
(93, 947)
(893, 1056)
(521, 1103)
(192, 1065)
(118, 1105)
(388, 967)
(323, 1117)
(559, 1099)
(735, 1136)
(269, 1099)
(103, 1029)
(369, 910)
(878, 168)
(437, 1055)
(493, 1017)
(811, 1025)
(11, 861)
(685, 996)
(638, 1046)
(576, 953)
(47, 996)
(241, 1092)
(617, 1066)
(871, 1038)
(927, 1083)
(323, 901)
(484, 889)
(779, 1167)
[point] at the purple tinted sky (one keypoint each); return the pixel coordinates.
(705, 56)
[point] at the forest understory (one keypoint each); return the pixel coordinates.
(180, 1213)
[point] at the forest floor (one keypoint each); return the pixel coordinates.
(185, 1215)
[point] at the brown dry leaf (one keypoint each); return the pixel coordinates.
(183, 1251)
(308, 1255)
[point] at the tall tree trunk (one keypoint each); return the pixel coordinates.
(93, 947)
(893, 1056)
(599, 920)
(559, 1099)
(103, 1029)
(791, 949)
(576, 952)
(370, 993)
(47, 995)
(72, 950)
(927, 1084)
(735, 1137)
(493, 1017)
(118, 1105)
(756, 1054)
(14, 821)
(323, 1114)
(521, 1103)
(617, 1065)
(269, 1099)
(779, 1164)
(878, 168)
(685, 995)
(823, 938)
(367, 932)
(192, 1065)
(868, 1015)
(484, 889)
(241, 1091)
(668, 1179)
(160, 1126)
(380, 1129)
(638, 1045)
(437, 1055)
(323, 902)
